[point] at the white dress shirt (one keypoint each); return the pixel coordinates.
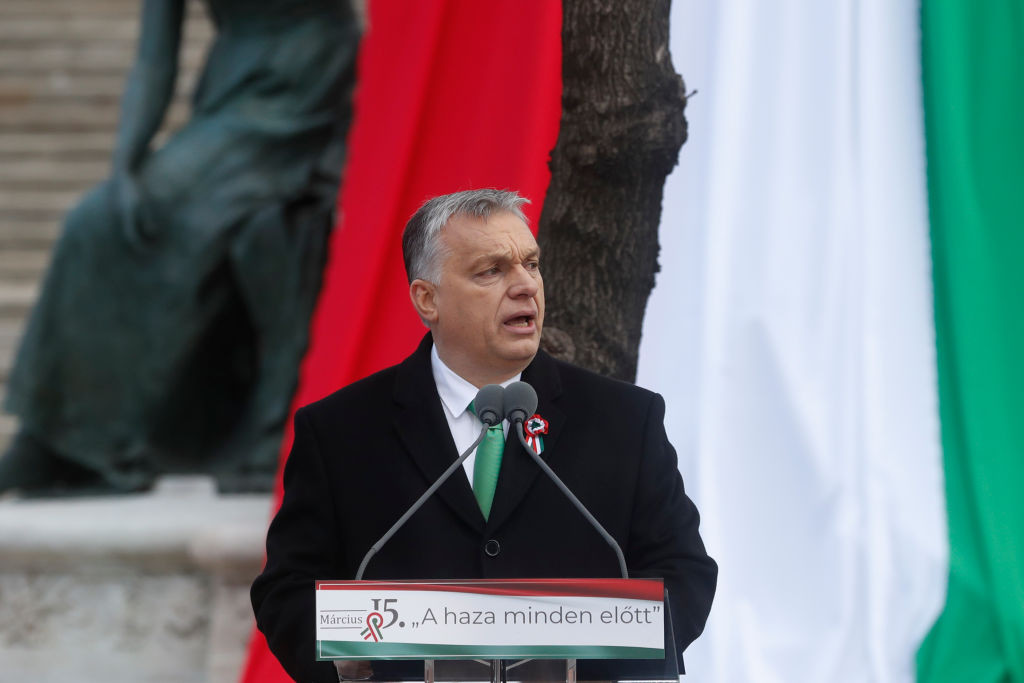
(456, 395)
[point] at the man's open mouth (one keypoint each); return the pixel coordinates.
(520, 321)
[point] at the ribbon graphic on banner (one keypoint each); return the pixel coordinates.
(374, 621)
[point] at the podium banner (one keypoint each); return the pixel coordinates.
(490, 619)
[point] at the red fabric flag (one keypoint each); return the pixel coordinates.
(451, 95)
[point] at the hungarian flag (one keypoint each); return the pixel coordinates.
(838, 330)
(451, 95)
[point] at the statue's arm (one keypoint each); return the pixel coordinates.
(150, 84)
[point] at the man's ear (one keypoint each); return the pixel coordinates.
(424, 300)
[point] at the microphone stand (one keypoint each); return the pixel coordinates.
(419, 503)
(518, 427)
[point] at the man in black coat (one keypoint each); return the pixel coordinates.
(364, 454)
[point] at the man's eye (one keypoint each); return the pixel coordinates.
(493, 270)
(533, 265)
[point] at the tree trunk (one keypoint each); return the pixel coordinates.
(621, 130)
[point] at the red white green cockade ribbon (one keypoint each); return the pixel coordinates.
(533, 428)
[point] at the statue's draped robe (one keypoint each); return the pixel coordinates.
(168, 336)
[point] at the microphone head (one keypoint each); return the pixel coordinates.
(488, 404)
(520, 401)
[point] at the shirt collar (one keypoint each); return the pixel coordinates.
(455, 392)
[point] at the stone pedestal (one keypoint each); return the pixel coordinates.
(149, 588)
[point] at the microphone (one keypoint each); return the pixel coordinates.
(520, 403)
(489, 408)
(489, 404)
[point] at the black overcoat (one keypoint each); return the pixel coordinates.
(364, 454)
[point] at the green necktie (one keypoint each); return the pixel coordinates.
(487, 465)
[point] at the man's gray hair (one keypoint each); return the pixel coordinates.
(421, 244)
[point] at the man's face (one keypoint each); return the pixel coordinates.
(487, 311)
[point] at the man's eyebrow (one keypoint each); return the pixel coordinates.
(502, 255)
(490, 257)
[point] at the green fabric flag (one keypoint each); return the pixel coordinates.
(973, 72)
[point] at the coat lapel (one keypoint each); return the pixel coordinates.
(423, 429)
(518, 470)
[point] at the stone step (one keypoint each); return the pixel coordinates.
(36, 202)
(54, 184)
(10, 332)
(11, 329)
(16, 299)
(29, 234)
(93, 8)
(48, 214)
(51, 172)
(74, 117)
(59, 86)
(65, 146)
(8, 425)
(34, 29)
(22, 265)
(36, 115)
(17, 88)
(100, 27)
(6, 360)
(10, 335)
(112, 29)
(85, 58)
(15, 8)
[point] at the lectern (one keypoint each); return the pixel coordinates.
(499, 630)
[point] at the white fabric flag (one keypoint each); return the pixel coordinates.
(791, 333)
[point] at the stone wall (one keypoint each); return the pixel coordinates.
(143, 589)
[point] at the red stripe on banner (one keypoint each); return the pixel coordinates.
(628, 589)
(451, 96)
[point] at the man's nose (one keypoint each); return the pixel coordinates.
(523, 282)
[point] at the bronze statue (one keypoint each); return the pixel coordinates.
(174, 313)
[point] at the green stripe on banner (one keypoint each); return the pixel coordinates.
(973, 73)
(330, 649)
